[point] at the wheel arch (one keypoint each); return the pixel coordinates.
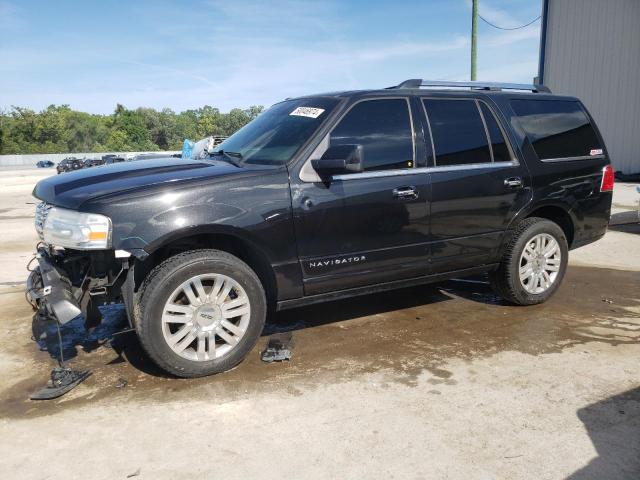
(559, 213)
(227, 239)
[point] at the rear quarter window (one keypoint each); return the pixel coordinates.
(557, 129)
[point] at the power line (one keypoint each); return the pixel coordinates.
(514, 28)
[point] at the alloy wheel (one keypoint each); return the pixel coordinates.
(540, 263)
(205, 317)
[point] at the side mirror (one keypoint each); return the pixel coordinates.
(339, 159)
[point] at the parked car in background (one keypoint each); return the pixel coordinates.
(45, 164)
(69, 164)
(148, 156)
(93, 162)
(110, 159)
(326, 197)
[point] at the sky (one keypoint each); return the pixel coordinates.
(94, 54)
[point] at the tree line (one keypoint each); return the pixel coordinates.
(59, 129)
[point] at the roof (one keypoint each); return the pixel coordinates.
(419, 86)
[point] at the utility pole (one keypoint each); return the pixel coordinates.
(474, 38)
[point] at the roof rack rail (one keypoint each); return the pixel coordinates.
(495, 86)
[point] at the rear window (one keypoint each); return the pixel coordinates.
(557, 129)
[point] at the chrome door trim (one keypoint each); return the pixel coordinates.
(571, 159)
(414, 171)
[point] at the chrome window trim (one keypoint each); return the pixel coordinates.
(486, 130)
(572, 159)
(505, 137)
(433, 146)
(413, 171)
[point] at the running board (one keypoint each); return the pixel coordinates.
(381, 287)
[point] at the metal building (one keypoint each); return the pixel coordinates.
(591, 49)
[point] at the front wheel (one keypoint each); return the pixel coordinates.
(534, 263)
(201, 312)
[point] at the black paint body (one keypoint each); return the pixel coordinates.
(345, 236)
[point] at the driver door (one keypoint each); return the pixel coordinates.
(357, 229)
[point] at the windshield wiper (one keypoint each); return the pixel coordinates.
(230, 156)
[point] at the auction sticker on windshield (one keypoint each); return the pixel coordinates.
(310, 112)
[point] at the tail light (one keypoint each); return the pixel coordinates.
(608, 179)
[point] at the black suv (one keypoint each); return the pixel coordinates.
(324, 197)
(69, 164)
(93, 162)
(111, 159)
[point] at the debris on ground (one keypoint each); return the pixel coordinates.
(121, 383)
(278, 348)
(134, 474)
(62, 380)
(607, 300)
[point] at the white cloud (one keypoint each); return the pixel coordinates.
(408, 49)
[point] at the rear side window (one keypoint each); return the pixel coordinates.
(458, 133)
(557, 129)
(383, 128)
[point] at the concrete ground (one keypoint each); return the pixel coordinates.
(441, 381)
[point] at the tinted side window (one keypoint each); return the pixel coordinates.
(383, 128)
(458, 133)
(498, 143)
(557, 129)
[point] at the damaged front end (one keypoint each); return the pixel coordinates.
(67, 283)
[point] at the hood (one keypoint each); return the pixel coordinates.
(71, 190)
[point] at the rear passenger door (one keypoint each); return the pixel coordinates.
(477, 182)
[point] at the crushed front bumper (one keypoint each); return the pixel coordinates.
(68, 283)
(50, 290)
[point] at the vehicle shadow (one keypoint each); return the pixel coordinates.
(128, 348)
(476, 289)
(75, 336)
(613, 425)
(626, 228)
(627, 222)
(350, 308)
(112, 331)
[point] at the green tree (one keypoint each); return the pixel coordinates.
(59, 129)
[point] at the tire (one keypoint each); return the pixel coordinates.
(506, 279)
(219, 334)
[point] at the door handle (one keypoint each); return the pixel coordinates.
(513, 182)
(405, 193)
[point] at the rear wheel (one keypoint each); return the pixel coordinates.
(534, 263)
(201, 312)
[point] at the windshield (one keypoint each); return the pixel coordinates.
(275, 135)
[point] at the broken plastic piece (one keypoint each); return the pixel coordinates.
(278, 348)
(62, 380)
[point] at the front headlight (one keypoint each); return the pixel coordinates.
(71, 229)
